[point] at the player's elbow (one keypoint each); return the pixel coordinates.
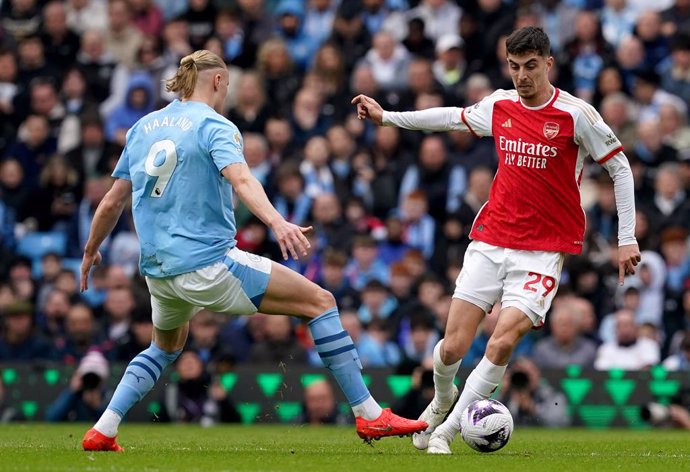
(112, 203)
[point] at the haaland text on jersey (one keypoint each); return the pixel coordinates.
(524, 154)
(182, 122)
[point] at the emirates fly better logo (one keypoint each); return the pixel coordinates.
(551, 130)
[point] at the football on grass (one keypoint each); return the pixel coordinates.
(486, 425)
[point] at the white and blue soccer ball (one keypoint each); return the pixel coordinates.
(486, 425)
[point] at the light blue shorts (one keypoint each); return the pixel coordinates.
(234, 286)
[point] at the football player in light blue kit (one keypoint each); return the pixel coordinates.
(181, 165)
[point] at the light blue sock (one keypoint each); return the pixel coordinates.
(339, 355)
(139, 378)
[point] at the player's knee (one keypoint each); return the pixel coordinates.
(454, 348)
(501, 347)
(323, 301)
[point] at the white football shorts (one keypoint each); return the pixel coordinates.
(526, 280)
(234, 286)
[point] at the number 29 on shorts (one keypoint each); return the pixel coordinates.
(539, 283)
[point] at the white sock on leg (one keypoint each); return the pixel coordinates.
(480, 384)
(443, 376)
(107, 424)
(369, 409)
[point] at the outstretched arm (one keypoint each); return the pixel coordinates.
(432, 119)
(104, 220)
(624, 189)
(290, 236)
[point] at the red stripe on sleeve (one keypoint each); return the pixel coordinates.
(610, 155)
(462, 117)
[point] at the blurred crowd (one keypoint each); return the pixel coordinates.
(391, 209)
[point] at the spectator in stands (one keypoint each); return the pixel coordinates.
(91, 157)
(55, 201)
(388, 60)
(418, 338)
(530, 399)
(149, 60)
(676, 73)
(204, 339)
(137, 103)
(281, 80)
(19, 341)
(648, 30)
(350, 33)
(290, 200)
(290, 27)
(45, 102)
(84, 15)
(670, 206)
(280, 344)
(565, 346)
(443, 182)
(34, 149)
(278, 133)
(585, 55)
(416, 41)
(97, 62)
(147, 17)
(365, 264)
(51, 319)
(676, 17)
(13, 191)
(680, 361)
(673, 127)
(320, 406)
(256, 155)
(373, 346)
(629, 351)
(333, 279)
(86, 398)
(418, 225)
(617, 21)
(630, 58)
(343, 148)
(331, 229)
(377, 303)
(307, 118)
(117, 313)
(21, 18)
(60, 42)
(81, 335)
(122, 38)
(138, 338)
(674, 249)
(650, 149)
(251, 111)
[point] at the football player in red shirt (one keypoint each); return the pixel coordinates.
(532, 219)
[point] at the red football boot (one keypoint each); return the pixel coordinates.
(96, 441)
(387, 424)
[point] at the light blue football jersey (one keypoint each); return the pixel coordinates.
(181, 203)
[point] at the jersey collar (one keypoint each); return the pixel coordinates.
(550, 101)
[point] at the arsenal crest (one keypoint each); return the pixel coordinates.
(551, 130)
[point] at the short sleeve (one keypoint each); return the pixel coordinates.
(122, 167)
(478, 117)
(596, 136)
(225, 144)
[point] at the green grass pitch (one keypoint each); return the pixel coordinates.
(170, 448)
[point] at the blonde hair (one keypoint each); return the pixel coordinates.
(184, 81)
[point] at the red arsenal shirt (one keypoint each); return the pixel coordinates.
(534, 202)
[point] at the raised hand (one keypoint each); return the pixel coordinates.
(367, 107)
(628, 258)
(292, 239)
(89, 260)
